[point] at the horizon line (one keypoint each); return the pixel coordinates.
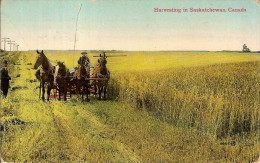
(141, 50)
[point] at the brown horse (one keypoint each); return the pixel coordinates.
(62, 79)
(82, 85)
(101, 71)
(45, 75)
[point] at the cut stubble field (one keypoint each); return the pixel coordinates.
(162, 107)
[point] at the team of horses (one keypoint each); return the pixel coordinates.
(59, 77)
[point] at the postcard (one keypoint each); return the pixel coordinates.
(130, 81)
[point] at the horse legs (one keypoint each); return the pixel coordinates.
(70, 91)
(65, 93)
(43, 91)
(49, 92)
(40, 89)
(82, 89)
(70, 87)
(82, 92)
(60, 91)
(95, 86)
(100, 89)
(105, 92)
(87, 98)
(87, 91)
(77, 88)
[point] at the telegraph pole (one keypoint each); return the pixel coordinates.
(5, 40)
(11, 43)
(14, 46)
(10, 46)
(17, 47)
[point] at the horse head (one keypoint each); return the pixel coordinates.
(62, 71)
(102, 70)
(39, 59)
(102, 60)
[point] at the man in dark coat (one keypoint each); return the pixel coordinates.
(83, 60)
(4, 77)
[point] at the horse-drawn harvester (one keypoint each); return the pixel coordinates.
(63, 82)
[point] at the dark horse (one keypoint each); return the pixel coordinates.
(101, 71)
(62, 79)
(82, 85)
(45, 76)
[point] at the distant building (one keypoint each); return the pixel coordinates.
(245, 48)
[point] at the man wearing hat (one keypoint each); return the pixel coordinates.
(4, 77)
(83, 60)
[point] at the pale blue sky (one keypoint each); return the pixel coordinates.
(130, 25)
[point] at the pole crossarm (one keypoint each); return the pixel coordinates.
(5, 40)
(11, 43)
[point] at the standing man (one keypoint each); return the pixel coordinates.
(4, 77)
(83, 60)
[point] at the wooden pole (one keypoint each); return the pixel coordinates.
(5, 40)
(75, 40)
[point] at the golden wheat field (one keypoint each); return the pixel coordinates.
(162, 107)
